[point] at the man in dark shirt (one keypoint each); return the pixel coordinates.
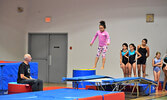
(24, 75)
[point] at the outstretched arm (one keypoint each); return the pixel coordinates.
(93, 40)
(108, 39)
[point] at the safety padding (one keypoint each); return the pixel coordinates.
(92, 98)
(59, 94)
(9, 61)
(14, 87)
(54, 88)
(115, 96)
(91, 87)
(9, 71)
(160, 86)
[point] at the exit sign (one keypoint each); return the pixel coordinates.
(47, 19)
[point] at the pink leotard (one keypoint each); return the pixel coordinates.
(104, 38)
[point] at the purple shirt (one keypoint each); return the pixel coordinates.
(104, 38)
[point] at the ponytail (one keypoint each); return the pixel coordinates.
(102, 23)
(133, 46)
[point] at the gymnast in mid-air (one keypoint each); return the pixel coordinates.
(104, 41)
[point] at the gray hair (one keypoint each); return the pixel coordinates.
(26, 56)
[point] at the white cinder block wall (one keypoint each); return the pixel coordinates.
(125, 19)
(12, 30)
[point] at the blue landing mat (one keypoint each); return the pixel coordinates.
(59, 94)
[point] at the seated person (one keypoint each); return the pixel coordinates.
(24, 75)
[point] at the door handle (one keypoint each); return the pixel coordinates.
(50, 60)
(56, 46)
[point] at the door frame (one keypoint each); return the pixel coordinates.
(48, 33)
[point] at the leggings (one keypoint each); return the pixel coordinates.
(102, 50)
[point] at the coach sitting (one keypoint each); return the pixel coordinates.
(24, 75)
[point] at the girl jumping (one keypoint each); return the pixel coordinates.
(104, 41)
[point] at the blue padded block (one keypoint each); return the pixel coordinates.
(9, 73)
(1, 84)
(34, 70)
(143, 87)
(0, 78)
(83, 72)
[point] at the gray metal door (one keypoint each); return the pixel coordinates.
(50, 51)
(38, 48)
(58, 56)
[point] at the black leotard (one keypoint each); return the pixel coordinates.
(165, 60)
(132, 56)
(143, 58)
(124, 59)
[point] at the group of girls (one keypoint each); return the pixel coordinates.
(128, 61)
(158, 63)
(128, 58)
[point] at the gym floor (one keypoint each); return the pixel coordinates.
(155, 96)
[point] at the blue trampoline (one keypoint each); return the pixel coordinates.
(99, 80)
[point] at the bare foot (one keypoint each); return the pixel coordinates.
(94, 67)
(102, 67)
(163, 90)
(156, 90)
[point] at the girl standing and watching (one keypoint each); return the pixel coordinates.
(143, 49)
(124, 60)
(157, 64)
(164, 68)
(132, 59)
